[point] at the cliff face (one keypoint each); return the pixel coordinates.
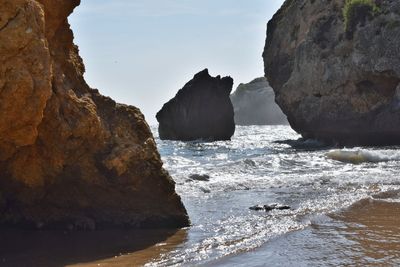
(69, 156)
(202, 109)
(254, 104)
(336, 82)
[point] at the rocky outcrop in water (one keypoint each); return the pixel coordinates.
(202, 109)
(254, 104)
(269, 207)
(70, 157)
(337, 82)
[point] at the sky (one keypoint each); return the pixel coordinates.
(141, 52)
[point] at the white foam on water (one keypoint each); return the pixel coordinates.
(362, 156)
(256, 169)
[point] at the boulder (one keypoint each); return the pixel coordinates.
(200, 177)
(254, 104)
(335, 69)
(202, 109)
(70, 158)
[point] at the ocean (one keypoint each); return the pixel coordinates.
(339, 207)
(329, 191)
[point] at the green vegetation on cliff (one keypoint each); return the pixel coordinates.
(356, 11)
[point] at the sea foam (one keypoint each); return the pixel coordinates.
(362, 156)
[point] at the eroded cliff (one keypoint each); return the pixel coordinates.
(70, 157)
(336, 81)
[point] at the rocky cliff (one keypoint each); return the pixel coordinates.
(70, 157)
(335, 68)
(254, 104)
(202, 109)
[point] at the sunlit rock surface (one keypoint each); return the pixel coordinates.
(70, 157)
(336, 84)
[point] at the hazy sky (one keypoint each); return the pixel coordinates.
(140, 52)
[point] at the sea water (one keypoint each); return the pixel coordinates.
(264, 165)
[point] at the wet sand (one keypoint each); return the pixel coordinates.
(98, 248)
(366, 234)
(141, 257)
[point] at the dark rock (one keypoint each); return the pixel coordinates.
(250, 162)
(334, 88)
(200, 177)
(205, 190)
(276, 207)
(254, 104)
(202, 109)
(257, 208)
(270, 207)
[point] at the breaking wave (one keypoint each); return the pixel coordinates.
(362, 156)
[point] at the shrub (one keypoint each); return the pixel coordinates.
(356, 11)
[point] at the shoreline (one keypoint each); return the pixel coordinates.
(366, 233)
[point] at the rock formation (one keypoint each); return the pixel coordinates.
(202, 109)
(70, 157)
(254, 104)
(337, 82)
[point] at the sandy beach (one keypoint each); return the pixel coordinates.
(97, 248)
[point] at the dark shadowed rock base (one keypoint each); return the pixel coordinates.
(202, 109)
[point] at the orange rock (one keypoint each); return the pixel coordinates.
(68, 154)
